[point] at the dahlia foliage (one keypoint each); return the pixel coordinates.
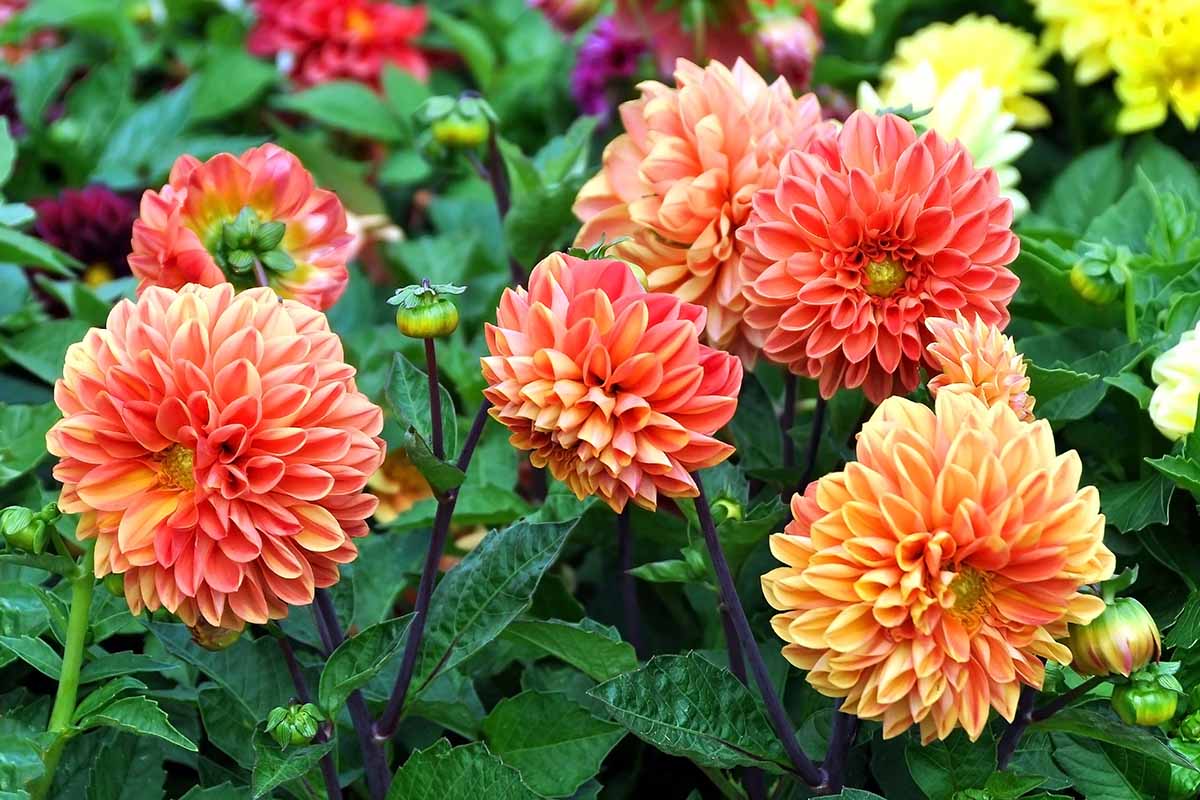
(406, 400)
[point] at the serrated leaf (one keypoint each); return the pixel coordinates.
(942, 768)
(229, 726)
(442, 476)
(1085, 723)
(1185, 631)
(42, 349)
(556, 744)
(1135, 505)
(1183, 472)
(20, 760)
(593, 649)
(357, 660)
(274, 767)
(139, 715)
(469, 772)
(408, 397)
(34, 652)
(1105, 772)
(127, 768)
(100, 697)
(687, 706)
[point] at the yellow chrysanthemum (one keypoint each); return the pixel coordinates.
(1082, 31)
(1158, 65)
(1007, 57)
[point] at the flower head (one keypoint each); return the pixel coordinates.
(925, 581)
(1007, 57)
(93, 224)
(678, 183)
(1082, 31)
(608, 384)
(316, 41)
(608, 54)
(1157, 59)
(1121, 640)
(1176, 375)
(964, 108)
(216, 449)
(976, 358)
(857, 16)
(225, 218)
(399, 486)
(793, 43)
(864, 237)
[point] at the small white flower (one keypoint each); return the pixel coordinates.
(1177, 375)
(965, 109)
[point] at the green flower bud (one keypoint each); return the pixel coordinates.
(115, 584)
(730, 509)
(425, 311)
(1146, 704)
(1099, 276)
(210, 637)
(23, 530)
(1122, 640)
(1189, 729)
(294, 725)
(456, 124)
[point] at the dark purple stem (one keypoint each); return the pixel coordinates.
(374, 762)
(386, 726)
(1012, 734)
(333, 789)
(752, 777)
(803, 765)
(787, 419)
(435, 401)
(841, 738)
(814, 443)
(1069, 696)
(633, 623)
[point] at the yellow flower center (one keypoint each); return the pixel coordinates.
(176, 469)
(97, 274)
(358, 22)
(972, 595)
(884, 278)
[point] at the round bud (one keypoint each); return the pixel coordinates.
(429, 320)
(729, 509)
(1189, 729)
(1098, 289)
(210, 637)
(1122, 640)
(23, 530)
(294, 724)
(1144, 703)
(115, 584)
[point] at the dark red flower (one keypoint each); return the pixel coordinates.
(316, 41)
(93, 224)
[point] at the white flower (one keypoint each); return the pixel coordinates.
(964, 109)
(1177, 375)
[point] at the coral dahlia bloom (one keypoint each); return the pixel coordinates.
(178, 237)
(679, 182)
(925, 581)
(975, 358)
(216, 449)
(608, 384)
(864, 237)
(316, 41)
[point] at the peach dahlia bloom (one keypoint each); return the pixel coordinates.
(865, 236)
(925, 582)
(608, 384)
(216, 449)
(179, 232)
(976, 358)
(679, 182)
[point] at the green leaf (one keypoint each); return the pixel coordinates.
(20, 760)
(470, 43)
(349, 106)
(34, 652)
(101, 696)
(759, 445)
(1082, 722)
(408, 398)
(469, 772)
(687, 706)
(1047, 384)
(1105, 772)
(1132, 384)
(274, 767)
(1089, 185)
(357, 660)
(42, 349)
(229, 726)
(1182, 471)
(127, 768)
(450, 701)
(230, 80)
(21, 610)
(135, 144)
(492, 586)
(1135, 505)
(113, 664)
(553, 742)
(18, 248)
(403, 92)
(225, 791)
(673, 570)
(442, 476)
(39, 77)
(139, 715)
(1010, 785)
(594, 649)
(1185, 630)
(956, 763)
(8, 152)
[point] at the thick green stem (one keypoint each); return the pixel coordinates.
(63, 712)
(1131, 322)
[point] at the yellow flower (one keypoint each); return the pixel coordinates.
(1007, 58)
(857, 16)
(1082, 31)
(1177, 375)
(1157, 60)
(966, 109)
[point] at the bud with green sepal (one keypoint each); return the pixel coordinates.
(24, 530)
(1122, 640)
(1100, 275)
(294, 724)
(1150, 697)
(448, 124)
(425, 311)
(214, 638)
(247, 243)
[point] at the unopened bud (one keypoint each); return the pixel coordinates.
(211, 637)
(1122, 640)
(23, 530)
(294, 724)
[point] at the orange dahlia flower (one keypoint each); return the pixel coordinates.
(608, 384)
(216, 449)
(925, 581)
(315, 41)
(978, 359)
(399, 486)
(195, 227)
(679, 182)
(864, 237)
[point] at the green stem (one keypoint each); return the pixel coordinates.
(1131, 329)
(63, 712)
